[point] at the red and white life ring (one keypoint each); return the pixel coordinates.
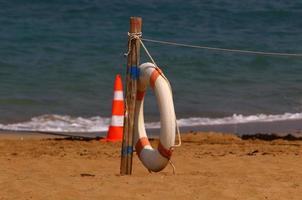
(154, 159)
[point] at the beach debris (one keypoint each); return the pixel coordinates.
(87, 175)
(270, 137)
(253, 153)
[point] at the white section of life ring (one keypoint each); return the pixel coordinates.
(154, 159)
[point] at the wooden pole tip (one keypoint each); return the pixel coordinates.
(135, 24)
(135, 18)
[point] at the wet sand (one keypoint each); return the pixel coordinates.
(208, 166)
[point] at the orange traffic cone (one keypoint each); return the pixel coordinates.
(115, 132)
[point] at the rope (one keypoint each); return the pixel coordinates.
(224, 49)
(173, 167)
(166, 79)
(132, 36)
(147, 52)
(138, 36)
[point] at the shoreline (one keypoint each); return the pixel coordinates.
(97, 126)
(282, 128)
(268, 130)
(15, 135)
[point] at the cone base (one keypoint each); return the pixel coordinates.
(115, 134)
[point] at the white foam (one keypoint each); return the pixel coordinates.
(59, 123)
(239, 119)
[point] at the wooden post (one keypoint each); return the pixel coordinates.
(131, 84)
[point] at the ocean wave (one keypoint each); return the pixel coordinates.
(239, 119)
(59, 123)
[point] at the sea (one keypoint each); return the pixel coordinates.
(58, 60)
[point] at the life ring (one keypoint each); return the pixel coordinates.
(154, 159)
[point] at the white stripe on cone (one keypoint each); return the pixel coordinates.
(117, 120)
(118, 95)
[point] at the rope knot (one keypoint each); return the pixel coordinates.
(135, 35)
(132, 36)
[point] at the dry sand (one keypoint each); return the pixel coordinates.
(208, 166)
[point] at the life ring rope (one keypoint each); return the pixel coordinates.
(141, 94)
(176, 124)
(138, 37)
(156, 159)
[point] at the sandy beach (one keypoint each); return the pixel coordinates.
(208, 166)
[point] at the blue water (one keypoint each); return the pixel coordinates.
(61, 56)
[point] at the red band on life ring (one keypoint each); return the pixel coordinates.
(141, 143)
(155, 74)
(163, 151)
(140, 95)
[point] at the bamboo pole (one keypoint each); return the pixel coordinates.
(131, 86)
